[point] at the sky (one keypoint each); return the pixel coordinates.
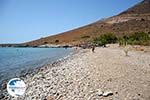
(26, 20)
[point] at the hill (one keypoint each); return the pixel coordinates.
(134, 19)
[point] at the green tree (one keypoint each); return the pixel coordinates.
(105, 39)
(139, 38)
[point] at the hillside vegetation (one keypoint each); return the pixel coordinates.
(139, 38)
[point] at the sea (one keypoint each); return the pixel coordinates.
(14, 61)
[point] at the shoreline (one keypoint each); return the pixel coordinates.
(87, 76)
(30, 73)
(27, 64)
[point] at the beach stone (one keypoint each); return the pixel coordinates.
(107, 93)
(2, 96)
(91, 91)
(3, 85)
(49, 98)
(99, 92)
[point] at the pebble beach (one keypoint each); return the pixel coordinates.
(106, 74)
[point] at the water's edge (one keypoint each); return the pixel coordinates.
(30, 73)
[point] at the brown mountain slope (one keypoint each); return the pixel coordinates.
(141, 8)
(135, 19)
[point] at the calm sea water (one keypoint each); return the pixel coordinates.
(15, 60)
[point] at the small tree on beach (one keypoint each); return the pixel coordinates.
(126, 50)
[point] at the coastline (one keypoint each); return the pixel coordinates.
(84, 75)
(30, 73)
(15, 61)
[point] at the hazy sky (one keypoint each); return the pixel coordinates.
(26, 20)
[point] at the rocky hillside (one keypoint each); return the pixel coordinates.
(134, 19)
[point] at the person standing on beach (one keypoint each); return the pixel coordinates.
(93, 48)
